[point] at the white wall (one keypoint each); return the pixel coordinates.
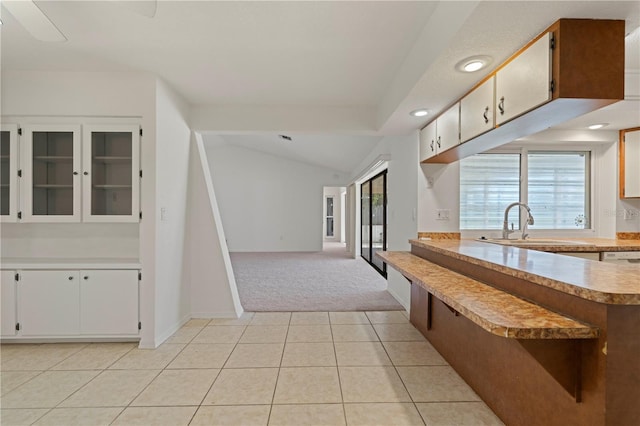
(121, 97)
(443, 193)
(402, 189)
(70, 240)
(268, 203)
(173, 137)
(208, 266)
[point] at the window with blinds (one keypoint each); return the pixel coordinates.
(554, 184)
(558, 186)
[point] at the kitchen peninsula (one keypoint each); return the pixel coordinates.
(542, 338)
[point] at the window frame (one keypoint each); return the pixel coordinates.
(593, 202)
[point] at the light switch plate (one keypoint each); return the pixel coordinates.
(442, 214)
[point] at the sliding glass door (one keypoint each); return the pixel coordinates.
(374, 220)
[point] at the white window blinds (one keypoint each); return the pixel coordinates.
(556, 183)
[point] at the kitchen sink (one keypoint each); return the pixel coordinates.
(532, 242)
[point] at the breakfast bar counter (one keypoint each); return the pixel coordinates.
(543, 338)
(596, 281)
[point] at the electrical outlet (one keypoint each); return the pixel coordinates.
(442, 214)
(429, 182)
(631, 214)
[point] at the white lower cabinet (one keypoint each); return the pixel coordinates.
(49, 303)
(8, 303)
(70, 303)
(109, 302)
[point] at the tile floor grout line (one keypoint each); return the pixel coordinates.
(275, 387)
(335, 354)
(152, 380)
(395, 368)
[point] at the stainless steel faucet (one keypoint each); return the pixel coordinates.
(505, 225)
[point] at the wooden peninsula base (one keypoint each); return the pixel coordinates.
(539, 350)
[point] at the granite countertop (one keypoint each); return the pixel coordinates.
(586, 245)
(603, 282)
(496, 311)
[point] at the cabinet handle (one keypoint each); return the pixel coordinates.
(431, 145)
(71, 278)
(501, 106)
(75, 173)
(86, 277)
(486, 111)
(86, 173)
(438, 142)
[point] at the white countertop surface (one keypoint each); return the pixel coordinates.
(66, 263)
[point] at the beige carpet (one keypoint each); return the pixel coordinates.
(322, 281)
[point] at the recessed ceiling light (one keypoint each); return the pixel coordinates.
(473, 63)
(419, 112)
(473, 66)
(598, 126)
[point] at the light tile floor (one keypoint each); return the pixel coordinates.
(301, 368)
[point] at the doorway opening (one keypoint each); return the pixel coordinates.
(333, 216)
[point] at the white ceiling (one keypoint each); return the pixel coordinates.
(384, 58)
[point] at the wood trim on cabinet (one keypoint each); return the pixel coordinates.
(595, 47)
(621, 160)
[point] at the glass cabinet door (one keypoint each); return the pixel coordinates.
(8, 172)
(111, 173)
(51, 170)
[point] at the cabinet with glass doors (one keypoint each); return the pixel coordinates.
(69, 180)
(8, 172)
(111, 176)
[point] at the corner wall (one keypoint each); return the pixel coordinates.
(208, 265)
(173, 137)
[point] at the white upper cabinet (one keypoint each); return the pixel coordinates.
(449, 128)
(477, 111)
(525, 82)
(441, 134)
(111, 180)
(630, 161)
(71, 175)
(428, 147)
(8, 172)
(51, 165)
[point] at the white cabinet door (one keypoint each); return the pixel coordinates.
(632, 164)
(51, 163)
(8, 172)
(109, 302)
(476, 111)
(8, 303)
(525, 82)
(49, 303)
(428, 141)
(449, 128)
(111, 173)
